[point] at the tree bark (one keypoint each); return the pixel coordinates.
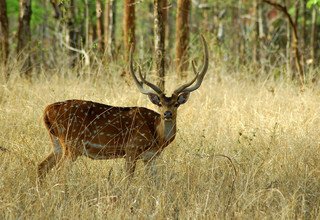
(182, 36)
(256, 39)
(288, 48)
(56, 6)
(4, 32)
(164, 7)
(24, 35)
(128, 25)
(304, 24)
(72, 32)
(87, 23)
(313, 39)
(159, 42)
(242, 33)
(295, 38)
(109, 27)
(170, 28)
(297, 13)
(100, 29)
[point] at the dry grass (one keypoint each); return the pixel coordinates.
(269, 129)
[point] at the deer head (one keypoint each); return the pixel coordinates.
(168, 105)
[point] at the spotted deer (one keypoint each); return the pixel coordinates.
(102, 132)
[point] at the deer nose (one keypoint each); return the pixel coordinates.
(168, 115)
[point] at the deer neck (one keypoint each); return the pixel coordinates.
(166, 130)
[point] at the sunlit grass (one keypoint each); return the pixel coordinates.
(269, 129)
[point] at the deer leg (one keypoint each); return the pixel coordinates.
(69, 156)
(151, 167)
(131, 161)
(149, 159)
(47, 164)
(52, 159)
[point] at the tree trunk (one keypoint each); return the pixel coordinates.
(297, 13)
(263, 32)
(288, 48)
(109, 27)
(72, 32)
(170, 29)
(164, 7)
(304, 24)
(313, 39)
(256, 38)
(243, 32)
(87, 23)
(44, 34)
(288, 45)
(295, 38)
(100, 31)
(159, 42)
(24, 34)
(4, 32)
(56, 6)
(128, 25)
(182, 36)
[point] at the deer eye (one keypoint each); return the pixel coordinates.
(155, 99)
(183, 98)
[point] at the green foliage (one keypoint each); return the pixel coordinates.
(312, 3)
(38, 13)
(13, 8)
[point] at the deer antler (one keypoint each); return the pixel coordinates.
(143, 78)
(199, 76)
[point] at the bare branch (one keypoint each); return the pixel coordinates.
(82, 51)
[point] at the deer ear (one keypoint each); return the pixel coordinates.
(183, 98)
(154, 99)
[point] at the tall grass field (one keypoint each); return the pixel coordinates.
(245, 149)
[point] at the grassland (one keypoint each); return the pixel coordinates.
(269, 129)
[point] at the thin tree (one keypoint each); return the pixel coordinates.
(304, 23)
(24, 34)
(295, 38)
(159, 42)
(128, 25)
(56, 6)
(100, 26)
(165, 17)
(182, 35)
(165, 14)
(170, 27)
(72, 31)
(87, 22)
(313, 38)
(109, 27)
(4, 32)
(256, 40)
(263, 30)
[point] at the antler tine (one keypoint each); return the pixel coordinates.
(140, 73)
(199, 76)
(152, 86)
(143, 79)
(181, 88)
(135, 79)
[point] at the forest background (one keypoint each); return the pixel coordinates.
(247, 144)
(274, 37)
